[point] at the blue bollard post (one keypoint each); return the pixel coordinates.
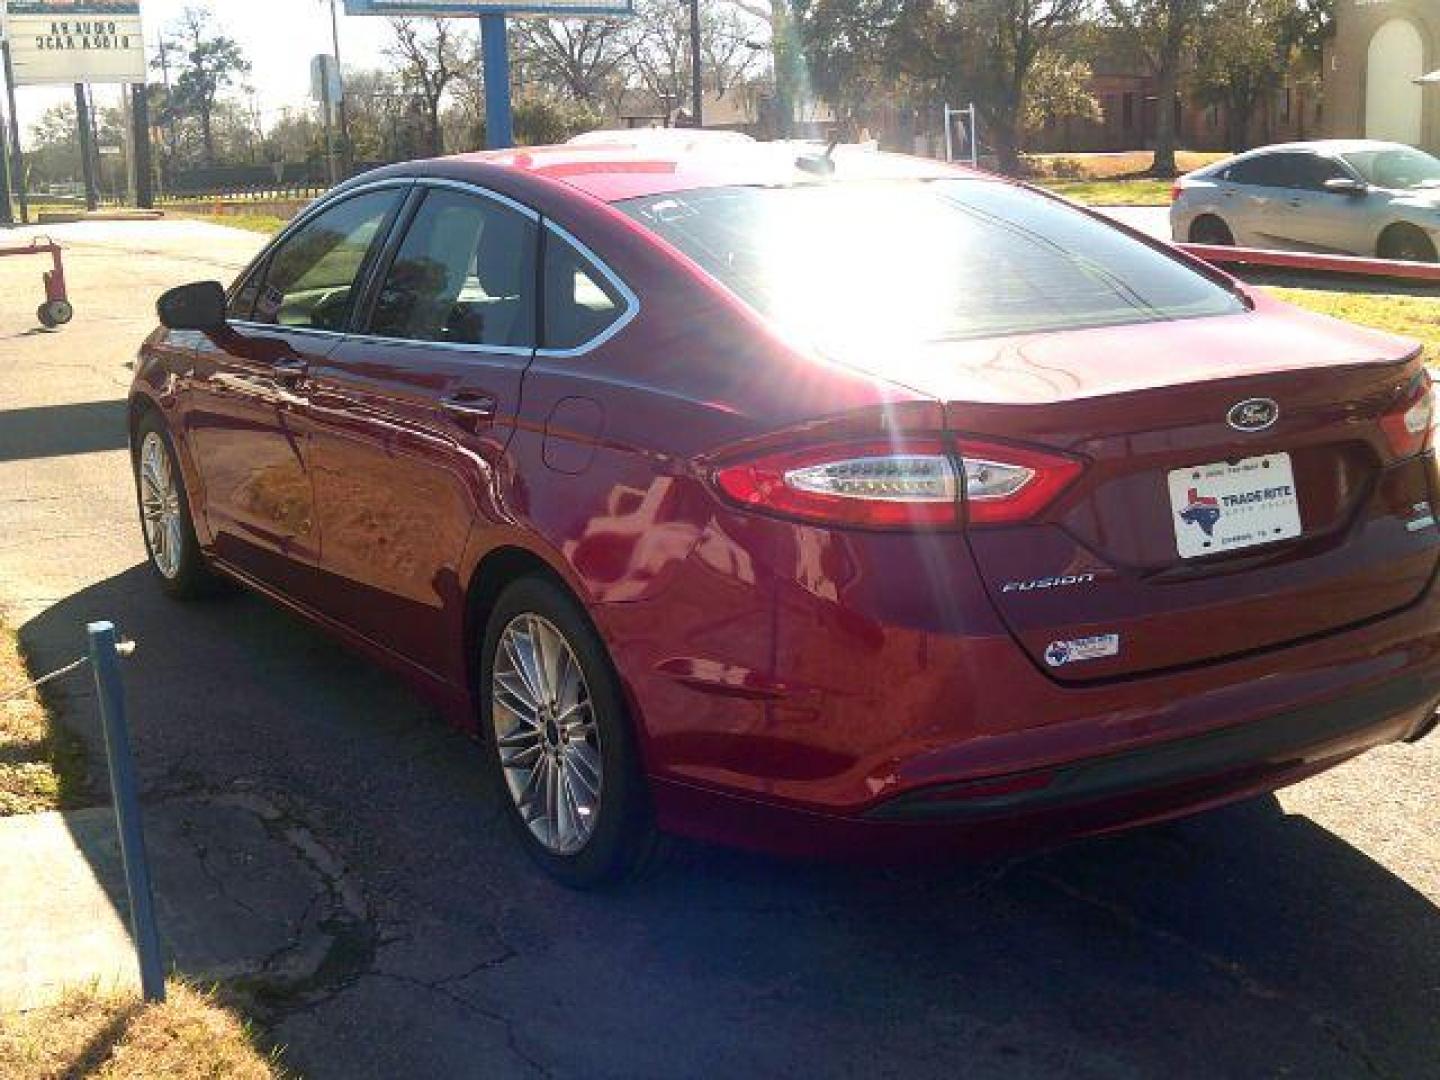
(105, 657)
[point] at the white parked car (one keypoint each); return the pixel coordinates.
(1353, 197)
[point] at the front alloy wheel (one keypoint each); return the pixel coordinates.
(160, 507)
(165, 520)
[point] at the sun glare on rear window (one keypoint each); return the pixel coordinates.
(860, 264)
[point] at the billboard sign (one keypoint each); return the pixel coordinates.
(75, 41)
(469, 8)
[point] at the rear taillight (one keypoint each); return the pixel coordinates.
(900, 485)
(1007, 484)
(1409, 426)
(883, 485)
(1175, 189)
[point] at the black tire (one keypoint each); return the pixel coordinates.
(1406, 243)
(1209, 229)
(623, 842)
(191, 577)
(47, 320)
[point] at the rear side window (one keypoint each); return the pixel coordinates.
(311, 277)
(464, 275)
(580, 302)
(875, 265)
(1267, 170)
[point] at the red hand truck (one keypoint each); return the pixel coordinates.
(56, 310)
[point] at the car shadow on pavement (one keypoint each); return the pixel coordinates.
(1242, 942)
(61, 430)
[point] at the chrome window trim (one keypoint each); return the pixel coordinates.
(474, 189)
(624, 319)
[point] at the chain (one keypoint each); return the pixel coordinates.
(123, 649)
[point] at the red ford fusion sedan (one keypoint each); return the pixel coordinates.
(823, 505)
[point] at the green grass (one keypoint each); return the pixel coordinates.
(1137, 192)
(1413, 316)
(265, 224)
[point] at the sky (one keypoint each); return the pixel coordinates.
(278, 36)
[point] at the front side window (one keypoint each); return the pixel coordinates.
(580, 302)
(465, 275)
(1398, 168)
(872, 266)
(312, 276)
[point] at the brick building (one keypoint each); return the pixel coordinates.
(1381, 48)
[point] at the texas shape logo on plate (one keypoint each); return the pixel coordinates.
(1201, 510)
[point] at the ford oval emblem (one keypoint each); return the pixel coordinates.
(1257, 414)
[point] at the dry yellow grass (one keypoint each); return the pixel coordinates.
(1412, 316)
(119, 1037)
(42, 766)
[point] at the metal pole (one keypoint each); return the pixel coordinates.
(331, 164)
(140, 140)
(7, 209)
(110, 691)
(697, 86)
(949, 137)
(343, 110)
(17, 155)
(499, 130)
(87, 160)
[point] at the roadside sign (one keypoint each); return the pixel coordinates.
(326, 85)
(55, 42)
(470, 8)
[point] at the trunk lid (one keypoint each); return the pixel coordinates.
(1098, 588)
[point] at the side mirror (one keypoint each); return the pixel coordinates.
(200, 306)
(1344, 185)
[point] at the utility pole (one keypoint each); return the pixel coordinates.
(17, 156)
(140, 140)
(697, 85)
(87, 147)
(342, 110)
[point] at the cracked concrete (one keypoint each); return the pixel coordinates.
(1291, 936)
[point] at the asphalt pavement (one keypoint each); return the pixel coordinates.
(1297, 935)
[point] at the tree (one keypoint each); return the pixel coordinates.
(209, 63)
(986, 51)
(1162, 31)
(574, 58)
(1246, 56)
(430, 54)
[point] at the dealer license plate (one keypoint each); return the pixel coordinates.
(1226, 507)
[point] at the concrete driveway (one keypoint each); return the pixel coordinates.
(1298, 936)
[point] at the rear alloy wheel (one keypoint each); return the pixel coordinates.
(165, 515)
(1212, 231)
(1406, 243)
(560, 739)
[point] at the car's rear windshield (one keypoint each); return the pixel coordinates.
(855, 264)
(1397, 167)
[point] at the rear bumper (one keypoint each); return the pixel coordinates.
(1025, 810)
(1298, 740)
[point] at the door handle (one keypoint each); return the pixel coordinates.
(470, 408)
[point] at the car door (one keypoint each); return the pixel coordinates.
(1257, 197)
(413, 415)
(1325, 220)
(246, 416)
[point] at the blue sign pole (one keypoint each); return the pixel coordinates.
(499, 131)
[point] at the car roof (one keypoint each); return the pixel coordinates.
(613, 172)
(1328, 146)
